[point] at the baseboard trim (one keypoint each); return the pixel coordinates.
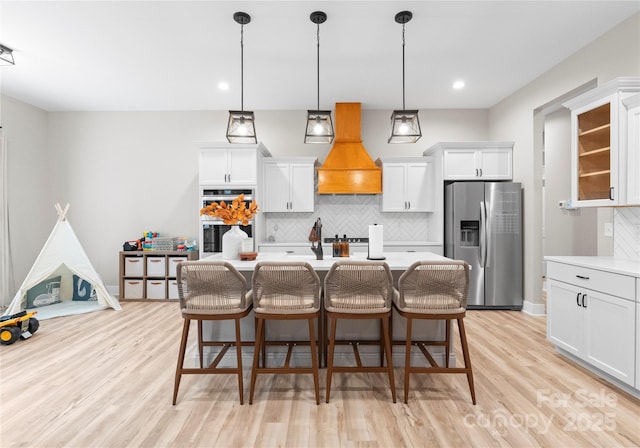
(534, 309)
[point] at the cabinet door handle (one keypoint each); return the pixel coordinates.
(582, 277)
(612, 193)
(408, 205)
(480, 172)
(584, 296)
(578, 299)
(476, 172)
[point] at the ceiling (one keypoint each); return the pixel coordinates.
(171, 55)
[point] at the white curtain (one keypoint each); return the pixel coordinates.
(7, 287)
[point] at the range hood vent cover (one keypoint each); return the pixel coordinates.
(348, 168)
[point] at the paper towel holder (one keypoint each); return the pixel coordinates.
(369, 257)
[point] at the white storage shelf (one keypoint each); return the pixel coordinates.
(151, 275)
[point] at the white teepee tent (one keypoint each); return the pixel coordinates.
(62, 249)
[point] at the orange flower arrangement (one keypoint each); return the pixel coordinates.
(231, 214)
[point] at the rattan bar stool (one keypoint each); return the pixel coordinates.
(285, 291)
(359, 290)
(435, 290)
(211, 290)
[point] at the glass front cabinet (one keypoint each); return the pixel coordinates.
(600, 144)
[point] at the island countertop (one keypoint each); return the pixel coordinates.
(396, 260)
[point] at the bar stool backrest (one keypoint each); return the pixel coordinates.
(213, 287)
(436, 286)
(285, 287)
(353, 286)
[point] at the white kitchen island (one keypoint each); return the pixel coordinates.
(356, 329)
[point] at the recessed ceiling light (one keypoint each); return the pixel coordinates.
(223, 86)
(458, 84)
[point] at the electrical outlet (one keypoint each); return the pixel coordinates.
(608, 229)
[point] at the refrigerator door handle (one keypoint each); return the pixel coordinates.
(483, 234)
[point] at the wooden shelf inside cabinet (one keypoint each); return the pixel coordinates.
(594, 153)
(151, 275)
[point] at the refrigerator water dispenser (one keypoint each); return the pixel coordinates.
(469, 233)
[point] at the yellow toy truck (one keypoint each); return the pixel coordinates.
(17, 326)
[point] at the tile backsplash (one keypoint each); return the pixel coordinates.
(350, 215)
(626, 232)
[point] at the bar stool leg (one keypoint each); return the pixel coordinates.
(387, 346)
(332, 340)
(200, 345)
(256, 356)
(239, 360)
(448, 341)
(183, 348)
(467, 359)
(407, 360)
(314, 359)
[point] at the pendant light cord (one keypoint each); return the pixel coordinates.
(318, 64)
(242, 67)
(403, 106)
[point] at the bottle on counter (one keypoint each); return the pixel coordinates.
(344, 247)
(336, 246)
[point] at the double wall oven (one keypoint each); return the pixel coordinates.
(212, 229)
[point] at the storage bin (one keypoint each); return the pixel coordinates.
(133, 266)
(156, 266)
(133, 289)
(172, 292)
(173, 263)
(156, 289)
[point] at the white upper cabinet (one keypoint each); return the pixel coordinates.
(632, 118)
(233, 165)
(601, 145)
(407, 185)
(289, 185)
(475, 160)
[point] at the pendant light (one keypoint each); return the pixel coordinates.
(319, 125)
(6, 56)
(405, 125)
(241, 127)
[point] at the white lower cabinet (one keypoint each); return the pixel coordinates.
(638, 333)
(595, 326)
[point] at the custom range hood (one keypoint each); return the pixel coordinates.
(348, 168)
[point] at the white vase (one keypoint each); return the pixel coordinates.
(232, 243)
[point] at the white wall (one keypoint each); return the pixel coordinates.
(31, 210)
(566, 232)
(616, 53)
(127, 172)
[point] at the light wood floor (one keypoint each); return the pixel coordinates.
(105, 379)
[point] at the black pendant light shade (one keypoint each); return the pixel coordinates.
(241, 127)
(319, 127)
(6, 56)
(405, 125)
(319, 124)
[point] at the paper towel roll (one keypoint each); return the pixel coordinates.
(375, 242)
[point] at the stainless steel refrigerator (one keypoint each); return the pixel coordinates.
(483, 226)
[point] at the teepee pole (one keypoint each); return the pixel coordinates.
(62, 214)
